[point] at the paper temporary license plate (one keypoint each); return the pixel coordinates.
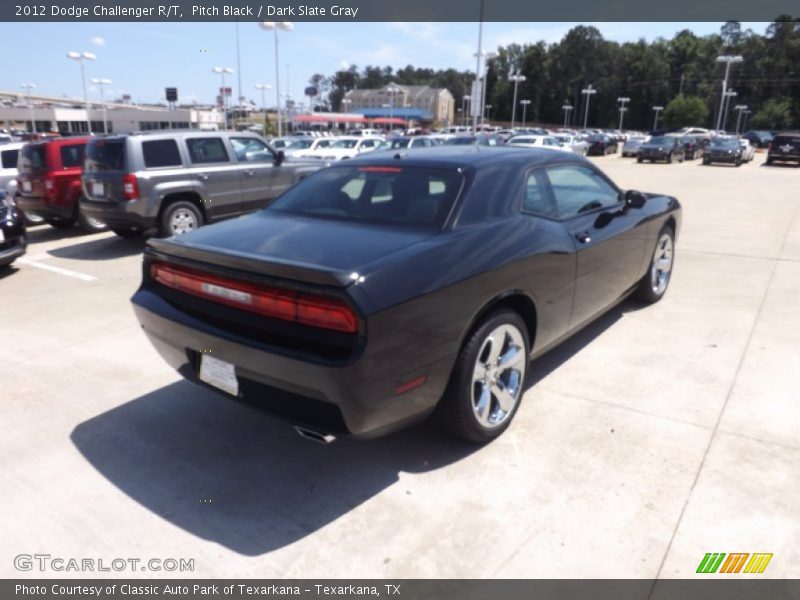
(26, 186)
(219, 373)
(97, 188)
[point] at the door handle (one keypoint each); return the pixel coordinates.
(583, 237)
(203, 176)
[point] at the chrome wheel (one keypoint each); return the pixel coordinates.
(662, 264)
(182, 221)
(94, 223)
(498, 376)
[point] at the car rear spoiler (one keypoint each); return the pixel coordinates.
(249, 263)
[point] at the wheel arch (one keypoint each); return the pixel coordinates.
(516, 300)
(183, 195)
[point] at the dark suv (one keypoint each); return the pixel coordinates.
(175, 181)
(49, 182)
(784, 147)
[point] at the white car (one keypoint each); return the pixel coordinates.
(365, 133)
(308, 147)
(572, 143)
(281, 143)
(8, 162)
(748, 152)
(537, 141)
(348, 147)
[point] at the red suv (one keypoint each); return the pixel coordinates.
(49, 182)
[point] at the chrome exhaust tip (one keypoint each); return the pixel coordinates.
(314, 435)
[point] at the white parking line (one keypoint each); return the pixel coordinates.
(54, 269)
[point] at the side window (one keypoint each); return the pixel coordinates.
(9, 159)
(578, 189)
(72, 156)
(537, 197)
(249, 149)
(368, 144)
(161, 153)
(207, 150)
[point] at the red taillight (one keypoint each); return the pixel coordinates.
(130, 187)
(287, 305)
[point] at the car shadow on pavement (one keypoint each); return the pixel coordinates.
(46, 233)
(107, 248)
(228, 473)
(541, 367)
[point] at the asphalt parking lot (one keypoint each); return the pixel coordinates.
(656, 435)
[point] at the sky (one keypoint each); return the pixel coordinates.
(142, 59)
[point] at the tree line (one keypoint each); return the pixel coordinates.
(681, 74)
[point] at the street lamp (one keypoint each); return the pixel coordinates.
(567, 108)
(588, 92)
(740, 108)
(622, 102)
(221, 71)
(657, 110)
(516, 78)
(102, 83)
(80, 57)
(728, 95)
(525, 104)
(283, 26)
(487, 56)
(728, 60)
(392, 90)
(263, 87)
(28, 87)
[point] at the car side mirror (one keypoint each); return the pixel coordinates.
(634, 199)
(279, 157)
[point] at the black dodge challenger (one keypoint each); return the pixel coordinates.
(391, 286)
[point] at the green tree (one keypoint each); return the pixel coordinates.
(685, 111)
(775, 113)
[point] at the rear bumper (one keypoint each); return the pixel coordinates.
(339, 399)
(122, 215)
(13, 245)
(781, 157)
(39, 205)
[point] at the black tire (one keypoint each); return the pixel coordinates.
(647, 291)
(706, 162)
(456, 411)
(90, 225)
(33, 219)
(127, 233)
(165, 228)
(680, 159)
(769, 160)
(60, 223)
(738, 162)
(638, 159)
(669, 158)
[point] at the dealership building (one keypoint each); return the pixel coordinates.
(420, 103)
(69, 115)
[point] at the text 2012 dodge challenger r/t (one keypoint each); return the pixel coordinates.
(378, 291)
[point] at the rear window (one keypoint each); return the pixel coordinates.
(8, 159)
(105, 155)
(32, 158)
(72, 156)
(785, 139)
(207, 150)
(161, 153)
(416, 197)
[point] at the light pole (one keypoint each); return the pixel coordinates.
(567, 108)
(80, 57)
(525, 104)
(102, 83)
(728, 95)
(263, 87)
(392, 90)
(516, 78)
(588, 92)
(221, 71)
(466, 101)
(487, 56)
(728, 60)
(744, 120)
(740, 108)
(283, 26)
(622, 108)
(488, 109)
(28, 87)
(477, 55)
(657, 110)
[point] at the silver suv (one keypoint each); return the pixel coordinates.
(177, 181)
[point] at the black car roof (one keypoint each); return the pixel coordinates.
(455, 157)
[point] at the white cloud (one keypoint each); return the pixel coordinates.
(98, 41)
